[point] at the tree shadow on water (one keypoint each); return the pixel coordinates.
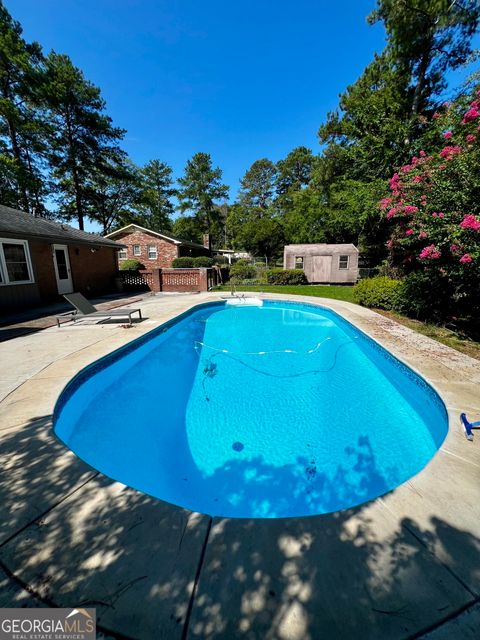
(245, 487)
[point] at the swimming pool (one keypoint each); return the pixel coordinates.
(267, 410)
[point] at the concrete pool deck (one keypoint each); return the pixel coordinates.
(406, 565)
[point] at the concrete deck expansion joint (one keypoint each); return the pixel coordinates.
(406, 565)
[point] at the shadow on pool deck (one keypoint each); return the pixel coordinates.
(26, 321)
(153, 570)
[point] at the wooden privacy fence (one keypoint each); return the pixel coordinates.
(172, 280)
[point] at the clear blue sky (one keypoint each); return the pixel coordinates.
(240, 80)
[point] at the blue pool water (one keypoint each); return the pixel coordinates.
(264, 411)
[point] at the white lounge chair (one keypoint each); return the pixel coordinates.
(84, 309)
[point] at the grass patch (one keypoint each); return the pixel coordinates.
(320, 290)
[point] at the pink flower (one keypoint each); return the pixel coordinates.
(434, 214)
(450, 152)
(430, 253)
(441, 215)
(442, 166)
(470, 115)
(409, 232)
(454, 248)
(406, 168)
(391, 213)
(470, 222)
(447, 135)
(466, 258)
(394, 182)
(389, 243)
(410, 209)
(436, 115)
(422, 154)
(422, 235)
(417, 179)
(385, 203)
(471, 137)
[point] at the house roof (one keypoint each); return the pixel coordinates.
(169, 237)
(322, 248)
(19, 224)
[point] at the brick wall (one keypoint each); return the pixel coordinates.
(166, 251)
(42, 262)
(92, 272)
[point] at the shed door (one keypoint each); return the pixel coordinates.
(62, 268)
(322, 266)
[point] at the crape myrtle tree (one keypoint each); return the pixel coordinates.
(434, 213)
(200, 189)
(82, 139)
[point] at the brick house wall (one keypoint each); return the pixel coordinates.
(166, 251)
(93, 273)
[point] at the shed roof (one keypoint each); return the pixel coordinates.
(165, 236)
(21, 225)
(321, 248)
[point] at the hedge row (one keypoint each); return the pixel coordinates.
(286, 276)
(192, 263)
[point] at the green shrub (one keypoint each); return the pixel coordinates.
(182, 263)
(380, 292)
(286, 276)
(425, 297)
(241, 270)
(203, 261)
(131, 265)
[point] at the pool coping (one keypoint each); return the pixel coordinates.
(455, 453)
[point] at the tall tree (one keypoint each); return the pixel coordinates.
(22, 130)
(200, 187)
(155, 208)
(428, 38)
(188, 228)
(83, 139)
(263, 237)
(111, 196)
(294, 172)
(257, 187)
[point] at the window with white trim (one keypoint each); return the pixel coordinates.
(343, 262)
(137, 250)
(122, 254)
(15, 262)
(152, 252)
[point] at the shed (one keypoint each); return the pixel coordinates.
(329, 263)
(41, 259)
(153, 249)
